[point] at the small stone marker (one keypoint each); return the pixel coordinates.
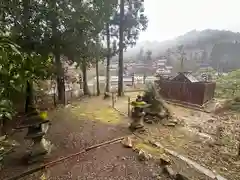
(164, 160)
(144, 156)
(127, 142)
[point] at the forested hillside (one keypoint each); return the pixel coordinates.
(220, 49)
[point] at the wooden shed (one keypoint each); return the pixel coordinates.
(185, 88)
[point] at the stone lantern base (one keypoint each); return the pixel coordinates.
(38, 151)
(137, 124)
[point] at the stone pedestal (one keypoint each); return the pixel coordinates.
(137, 123)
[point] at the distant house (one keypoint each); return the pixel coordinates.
(162, 60)
(161, 67)
(160, 63)
(141, 70)
(204, 65)
(126, 80)
(169, 67)
(114, 66)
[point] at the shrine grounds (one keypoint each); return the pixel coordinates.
(92, 121)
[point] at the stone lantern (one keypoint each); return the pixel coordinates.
(138, 114)
(37, 125)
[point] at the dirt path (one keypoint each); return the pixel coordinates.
(73, 129)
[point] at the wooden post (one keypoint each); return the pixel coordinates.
(80, 82)
(132, 79)
(53, 87)
(144, 79)
(113, 99)
(129, 107)
(219, 134)
(71, 93)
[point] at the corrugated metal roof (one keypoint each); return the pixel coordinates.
(187, 75)
(190, 77)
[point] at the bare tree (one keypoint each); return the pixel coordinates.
(182, 56)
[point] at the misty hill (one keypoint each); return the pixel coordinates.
(199, 39)
(225, 56)
(224, 43)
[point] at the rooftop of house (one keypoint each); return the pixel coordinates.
(161, 64)
(162, 60)
(187, 75)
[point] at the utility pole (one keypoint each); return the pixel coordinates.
(121, 46)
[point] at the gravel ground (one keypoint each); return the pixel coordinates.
(106, 163)
(71, 134)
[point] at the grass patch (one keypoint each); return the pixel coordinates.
(149, 148)
(108, 115)
(105, 114)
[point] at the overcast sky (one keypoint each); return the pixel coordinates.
(171, 18)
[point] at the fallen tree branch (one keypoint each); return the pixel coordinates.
(54, 162)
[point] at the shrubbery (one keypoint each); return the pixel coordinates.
(228, 86)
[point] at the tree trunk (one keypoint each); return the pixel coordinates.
(238, 148)
(120, 61)
(53, 88)
(107, 90)
(85, 84)
(97, 74)
(3, 122)
(56, 50)
(2, 133)
(60, 80)
(29, 103)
